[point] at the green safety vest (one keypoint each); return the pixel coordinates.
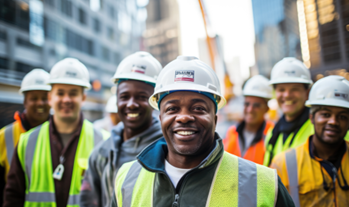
(233, 180)
(301, 137)
(34, 153)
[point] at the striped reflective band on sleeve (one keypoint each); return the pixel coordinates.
(247, 183)
(29, 152)
(40, 197)
(292, 171)
(9, 142)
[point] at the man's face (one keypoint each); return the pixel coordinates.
(66, 101)
(36, 105)
(254, 110)
(330, 124)
(133, 106)
(291, 98)
(188, 122)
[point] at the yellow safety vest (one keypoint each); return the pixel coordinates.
(9, 136)
(134, 184)
(34, 153)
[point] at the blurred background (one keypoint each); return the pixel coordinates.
(237, 38)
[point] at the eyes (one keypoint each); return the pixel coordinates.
(195, 109)
(125, 97)
(340, 116)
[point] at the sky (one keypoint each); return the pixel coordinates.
(230, 19)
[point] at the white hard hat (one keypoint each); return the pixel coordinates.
(258, 86)
(70, 71)
(187, 73)
(111, 106)
(330, 91)
(141, 66)
(290, 70)
(35, 80)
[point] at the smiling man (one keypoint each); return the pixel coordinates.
(37, 111)
(135, 78)
(188, 167)
(317, 172)
(291, 81)
(49, 161)
(247, 139)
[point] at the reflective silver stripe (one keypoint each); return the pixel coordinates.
(29, 152)
(74, 200)
(9, 142)
(247, 183)
(97, 136)
(40, 197)
(292, 171)
(129, 183)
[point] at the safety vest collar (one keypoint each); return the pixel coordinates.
(159, 150)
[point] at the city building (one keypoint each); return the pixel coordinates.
(161, 37)
(37, 34)
(276, 32)
(324, 32)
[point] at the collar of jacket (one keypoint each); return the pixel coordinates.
(258, 136)
(153, 157)
(131, 144)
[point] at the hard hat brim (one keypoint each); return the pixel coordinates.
(259, 95)
(184, 87)
(290, 80)
(328, 102)
(70, 81)
(133, 76)
(35, 88)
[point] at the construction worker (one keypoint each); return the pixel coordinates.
(135, 78)
(291, 81)
(36, 111)
(317, 172)
(188, 167)
(49, 161)
(247, 139)
(112, 118)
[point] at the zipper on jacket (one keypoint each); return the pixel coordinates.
(175, 203)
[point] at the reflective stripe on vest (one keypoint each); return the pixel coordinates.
(292, 171)
(37, 164)
(9, 141)
(236, 182)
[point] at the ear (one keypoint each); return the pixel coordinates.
(215, 119)
(160, 117)
(311, 117)
(84, 97)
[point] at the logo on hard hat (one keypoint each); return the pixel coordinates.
(70, 74)
(184, 75)
(290, 73)
(138, 69)
(341, 95)
(40, 82)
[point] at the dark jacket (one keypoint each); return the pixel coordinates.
(194, 187)
(107, 158)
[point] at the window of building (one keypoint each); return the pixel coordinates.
(96, 25)
(27, 44)
(82, 16)
(110, 33)
(50, 2)
(3, 63)
(105, 54)
(22, 20)
(7, 13)
(22, 67)
(67, 7)
(3, 35)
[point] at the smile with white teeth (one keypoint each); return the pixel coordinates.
(288, 102)
(40, 110)
(132, 115)
(185, 132)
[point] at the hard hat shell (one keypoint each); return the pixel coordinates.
(111, 106)
(330, 91)
(258, 86)
(70, 71)
(187, 73)
(141, 66)
(35, 80)
(290, 70)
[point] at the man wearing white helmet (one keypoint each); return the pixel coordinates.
(112, 117)
(188, 167)
(317, 172)
(49, 161)
(135, 78)
(247, 139)
(37, 111)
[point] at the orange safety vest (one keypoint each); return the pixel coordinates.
(254, 153)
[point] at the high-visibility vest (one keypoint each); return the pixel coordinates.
(300, 138)
(228, 187)
(254, 153)
(9, 136)
(304, 178)
(34, 153)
